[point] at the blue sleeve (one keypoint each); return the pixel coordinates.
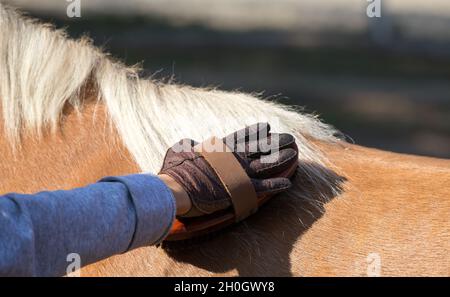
(38, 232)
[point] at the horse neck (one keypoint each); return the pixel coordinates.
(82, 150)
(292, 235)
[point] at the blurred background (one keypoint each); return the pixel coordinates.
(384, 82)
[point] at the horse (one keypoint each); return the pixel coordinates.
(72, 114)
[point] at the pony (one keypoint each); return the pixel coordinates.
(71, 114)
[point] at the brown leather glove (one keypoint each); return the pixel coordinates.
(262, 154)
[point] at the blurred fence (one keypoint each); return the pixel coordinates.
(404, 25)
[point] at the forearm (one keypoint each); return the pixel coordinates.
(37, 232)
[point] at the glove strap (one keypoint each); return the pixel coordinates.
(234, 178)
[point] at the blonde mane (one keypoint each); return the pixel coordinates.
(42, 71)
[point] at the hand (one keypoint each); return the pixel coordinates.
(252, 146)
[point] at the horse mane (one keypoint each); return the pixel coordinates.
(42, 71)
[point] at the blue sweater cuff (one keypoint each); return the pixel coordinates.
(155, 208)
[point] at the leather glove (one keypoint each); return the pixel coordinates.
(262, 154)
